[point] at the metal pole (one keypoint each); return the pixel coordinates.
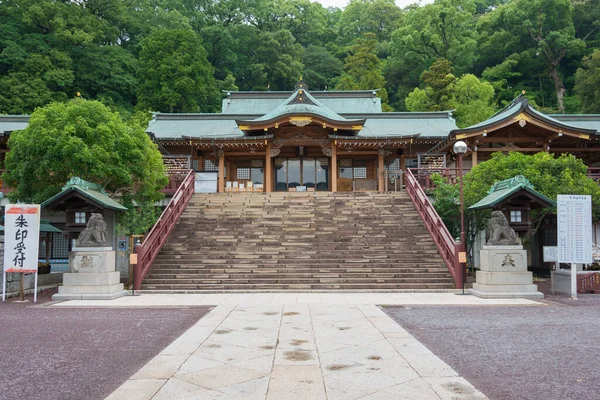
(463, 243)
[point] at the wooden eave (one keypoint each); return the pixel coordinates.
(546, 130)
(291, 119)
(379, 142)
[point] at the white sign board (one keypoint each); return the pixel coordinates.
(574, 229)
(21, 240)
(550, 254)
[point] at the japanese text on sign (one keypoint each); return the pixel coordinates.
(21, 238)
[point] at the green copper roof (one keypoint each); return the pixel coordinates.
(301, 103)
(91, 191)
(44, 227)
(338, 101)
(10, 123)
(519, 105)
(505, 189)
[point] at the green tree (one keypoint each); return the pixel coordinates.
(439, 84)
(550, 175)
(320, 67)
(174, 73)
(587, 82)
(82, 138)
(443, 29)
(473, 100)
(363, 68)
(380, 17)
(540, 31)
(266, 59)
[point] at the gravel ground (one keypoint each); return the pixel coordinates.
(548, 352)
(80, 353)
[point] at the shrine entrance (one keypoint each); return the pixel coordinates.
(301, 174)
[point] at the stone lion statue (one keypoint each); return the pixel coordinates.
(499, 232)
(94, 234)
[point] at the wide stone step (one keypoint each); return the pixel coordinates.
(283, 275)
(308, 241)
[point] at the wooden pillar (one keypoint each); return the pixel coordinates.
(473, 158)
(221, 177)
(334, 167)
(380, 171)
(268, 184)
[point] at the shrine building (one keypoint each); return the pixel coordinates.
(301, 140)
(341, 140)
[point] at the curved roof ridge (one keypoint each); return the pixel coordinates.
(301, 102)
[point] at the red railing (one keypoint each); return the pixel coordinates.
(588, 283)
(423, 175)
(594, 173)
(176, 178)
(154, 241)
(446, 245)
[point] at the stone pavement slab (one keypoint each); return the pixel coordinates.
(305, 349)
(279, 299)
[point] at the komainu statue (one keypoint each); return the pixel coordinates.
(499, 233)
(94, 234)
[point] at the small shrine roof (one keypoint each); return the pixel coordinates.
(90, 191)
(508, 188)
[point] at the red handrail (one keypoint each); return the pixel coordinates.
(159, 234)
(446, 245)
(588, 283)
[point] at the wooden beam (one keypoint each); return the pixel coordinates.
(521, 149)
(334, 168)
(508, 139)
(381, 171)
(268, 184)
(221, 176)
(246, 154)
(576, 149)
(473, 158)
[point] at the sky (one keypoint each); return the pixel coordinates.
(343, 3)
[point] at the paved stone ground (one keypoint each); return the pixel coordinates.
(296, 351)
(59, 353)
(517, 352)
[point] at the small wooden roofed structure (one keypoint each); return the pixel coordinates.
(512, 195)
(513, 192)
(80, 196)
(519, 127)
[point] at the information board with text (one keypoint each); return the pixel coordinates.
(574, 229)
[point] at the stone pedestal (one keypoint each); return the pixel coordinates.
(504, 274)
(91, 276)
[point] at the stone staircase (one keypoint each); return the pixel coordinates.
(298, 242)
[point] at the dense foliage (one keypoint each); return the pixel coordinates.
(83, 138)
(179, 55)
(550, 175)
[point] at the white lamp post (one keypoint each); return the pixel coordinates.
(460, 148)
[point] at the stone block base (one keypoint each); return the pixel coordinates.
(504, 278)
(92, 276)
(506, 295)
(91, 296)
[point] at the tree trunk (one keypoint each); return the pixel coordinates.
(559, 87)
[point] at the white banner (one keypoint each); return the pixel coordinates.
(21, 237)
